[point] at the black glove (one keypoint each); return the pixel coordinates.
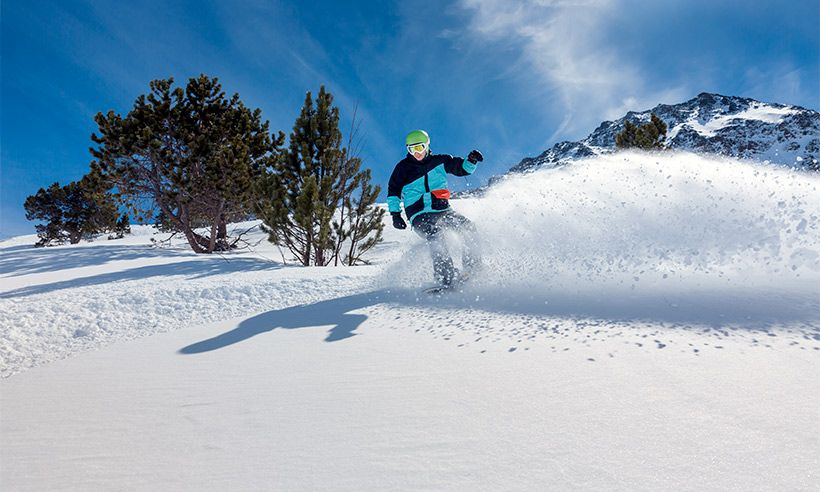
(475, 156)
(398, 222)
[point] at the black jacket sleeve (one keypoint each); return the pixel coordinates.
(455, 166)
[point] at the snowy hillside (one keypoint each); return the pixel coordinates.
(711, 123)
(644, 322)
(69, 299)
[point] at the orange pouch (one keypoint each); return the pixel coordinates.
(441, 194)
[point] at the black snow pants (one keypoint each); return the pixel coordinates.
(432, 226)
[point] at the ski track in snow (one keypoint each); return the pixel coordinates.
(627, 248)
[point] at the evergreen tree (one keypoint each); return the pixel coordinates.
(366, 221)
(358, 217)
(122, 227)
(191, 155)
(628, 136)
(312, 186)
(307, 175)
(649, 136)
(72, 212)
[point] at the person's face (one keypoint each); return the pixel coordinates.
(419, 151)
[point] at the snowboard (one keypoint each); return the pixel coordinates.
(442, 289)
(439, 289)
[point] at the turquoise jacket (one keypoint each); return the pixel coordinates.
(422, 185)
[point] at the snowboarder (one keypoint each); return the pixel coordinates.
(420, 181)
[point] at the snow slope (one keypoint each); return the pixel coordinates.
(644, 322)
(64, 300)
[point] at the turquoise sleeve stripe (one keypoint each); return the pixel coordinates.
(393, 204)
(469, 166)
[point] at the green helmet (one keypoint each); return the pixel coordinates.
(417, 137)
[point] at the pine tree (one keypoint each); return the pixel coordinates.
(627, 137)
(311, 187)
(649, 136)
(121, 228)
(72, 212)
(358, 217)
(366, 221)
(191, 155)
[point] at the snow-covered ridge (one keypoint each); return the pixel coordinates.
(710, 123)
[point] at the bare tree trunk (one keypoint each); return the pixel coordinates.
(353, 240)
(183, 223)
(306, 257)
(215, 227)
(192, 241)
(74, 237)
(212, 238)
(223, 227)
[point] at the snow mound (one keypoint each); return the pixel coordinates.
(676, 236)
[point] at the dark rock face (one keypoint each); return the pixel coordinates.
(710, 123)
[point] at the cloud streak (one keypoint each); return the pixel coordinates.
(569, 50)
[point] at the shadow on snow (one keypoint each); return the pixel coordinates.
(192, 269)
(710, 312)
(25, 260)
(747, 309)
(333, 312)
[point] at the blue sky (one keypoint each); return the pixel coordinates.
(509, 78)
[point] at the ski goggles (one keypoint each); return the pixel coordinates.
(419, 147)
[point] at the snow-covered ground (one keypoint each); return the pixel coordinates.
(644, 322)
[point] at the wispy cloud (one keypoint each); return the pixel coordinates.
(574, 60)
(281, 48)
(782, 83)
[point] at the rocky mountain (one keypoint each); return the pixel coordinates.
(711, 123)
